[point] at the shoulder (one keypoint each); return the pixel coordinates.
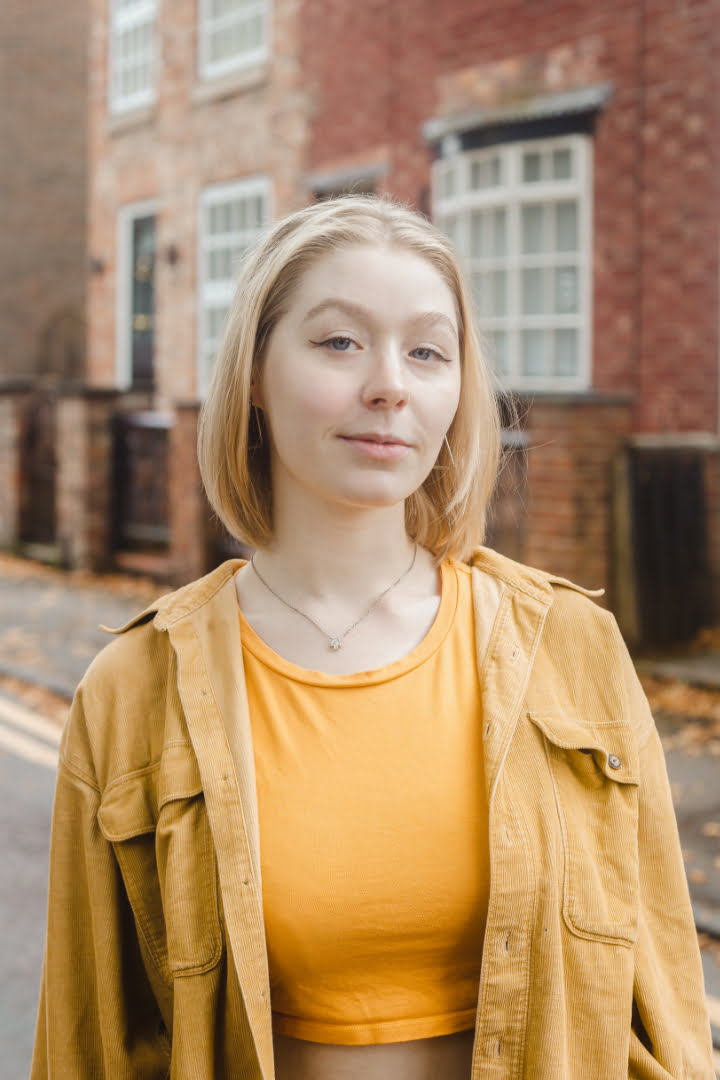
(127, 704)
(581, 661)
(539, 583)
(577, 631)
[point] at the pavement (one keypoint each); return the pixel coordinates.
(50, 631)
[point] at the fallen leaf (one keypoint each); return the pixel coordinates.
(697, 876)
(711, 828)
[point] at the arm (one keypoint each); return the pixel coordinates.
(97, 1016)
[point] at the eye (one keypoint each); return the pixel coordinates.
(424, 352)
(336, 344)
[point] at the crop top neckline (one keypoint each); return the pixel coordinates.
(430, 644)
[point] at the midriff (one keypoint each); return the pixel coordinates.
(447, 1056)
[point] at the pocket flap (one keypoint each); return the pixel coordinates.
(179, 774)
(129, 807)
(612, 745)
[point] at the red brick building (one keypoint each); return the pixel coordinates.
(572, 151)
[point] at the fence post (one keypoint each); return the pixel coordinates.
(188, 505)
(84, 477)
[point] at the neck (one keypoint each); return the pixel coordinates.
(323, 554)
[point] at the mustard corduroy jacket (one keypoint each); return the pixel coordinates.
(156, 963)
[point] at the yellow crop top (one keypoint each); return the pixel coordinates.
(373, 835)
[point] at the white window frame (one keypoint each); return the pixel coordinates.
(207, 22)
(511, 195)
(218, 293)
(140, 13)
(127, 215)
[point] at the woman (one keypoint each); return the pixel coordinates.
(377, 803)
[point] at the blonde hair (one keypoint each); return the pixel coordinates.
(447, 513)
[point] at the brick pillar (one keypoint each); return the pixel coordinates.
(572, 445)
(188, 506)
(85, 477)
(13, 402)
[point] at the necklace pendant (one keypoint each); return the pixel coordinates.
(335, 643)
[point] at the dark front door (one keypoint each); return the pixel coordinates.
(142, 312)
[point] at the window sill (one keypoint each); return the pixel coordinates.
(120, 123)
(237, 82)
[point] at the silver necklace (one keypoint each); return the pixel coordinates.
(335, 640)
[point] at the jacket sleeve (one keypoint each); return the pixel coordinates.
(98, 1017)
(670, 1037)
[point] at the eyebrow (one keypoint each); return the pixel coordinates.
(357, 311)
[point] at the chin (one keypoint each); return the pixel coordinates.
(377, 498)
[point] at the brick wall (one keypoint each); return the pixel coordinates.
(680, 221)
(43, 74)
(189, 510)
(570, 456)
(84, 478)
(195, 135)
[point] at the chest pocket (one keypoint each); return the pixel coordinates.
(157, 823)
(595, 778)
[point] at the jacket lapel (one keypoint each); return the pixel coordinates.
(505, 662)
(212, 688)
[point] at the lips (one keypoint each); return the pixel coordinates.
(377, 447)
(376, 437)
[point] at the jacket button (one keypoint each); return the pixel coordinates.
(614, 761)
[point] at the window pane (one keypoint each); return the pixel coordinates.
(479, 286)
(499, 349)
(532, 167)
(562, 164)
(477, 234)
(499, 245)
(533, 352)
(485, 173)
(451, 227)
(238, 217)
(566, 352)
(533, 292)
(566, 226)
(499, 292)
(255, 32)
(566, 290)
(533, 229)
(448, 184)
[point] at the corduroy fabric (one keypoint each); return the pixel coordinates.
(156, 962)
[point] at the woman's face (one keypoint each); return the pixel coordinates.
(361, 378)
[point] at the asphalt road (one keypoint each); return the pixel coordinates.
(27, 782)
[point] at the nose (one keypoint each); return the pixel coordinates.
(386, 383)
